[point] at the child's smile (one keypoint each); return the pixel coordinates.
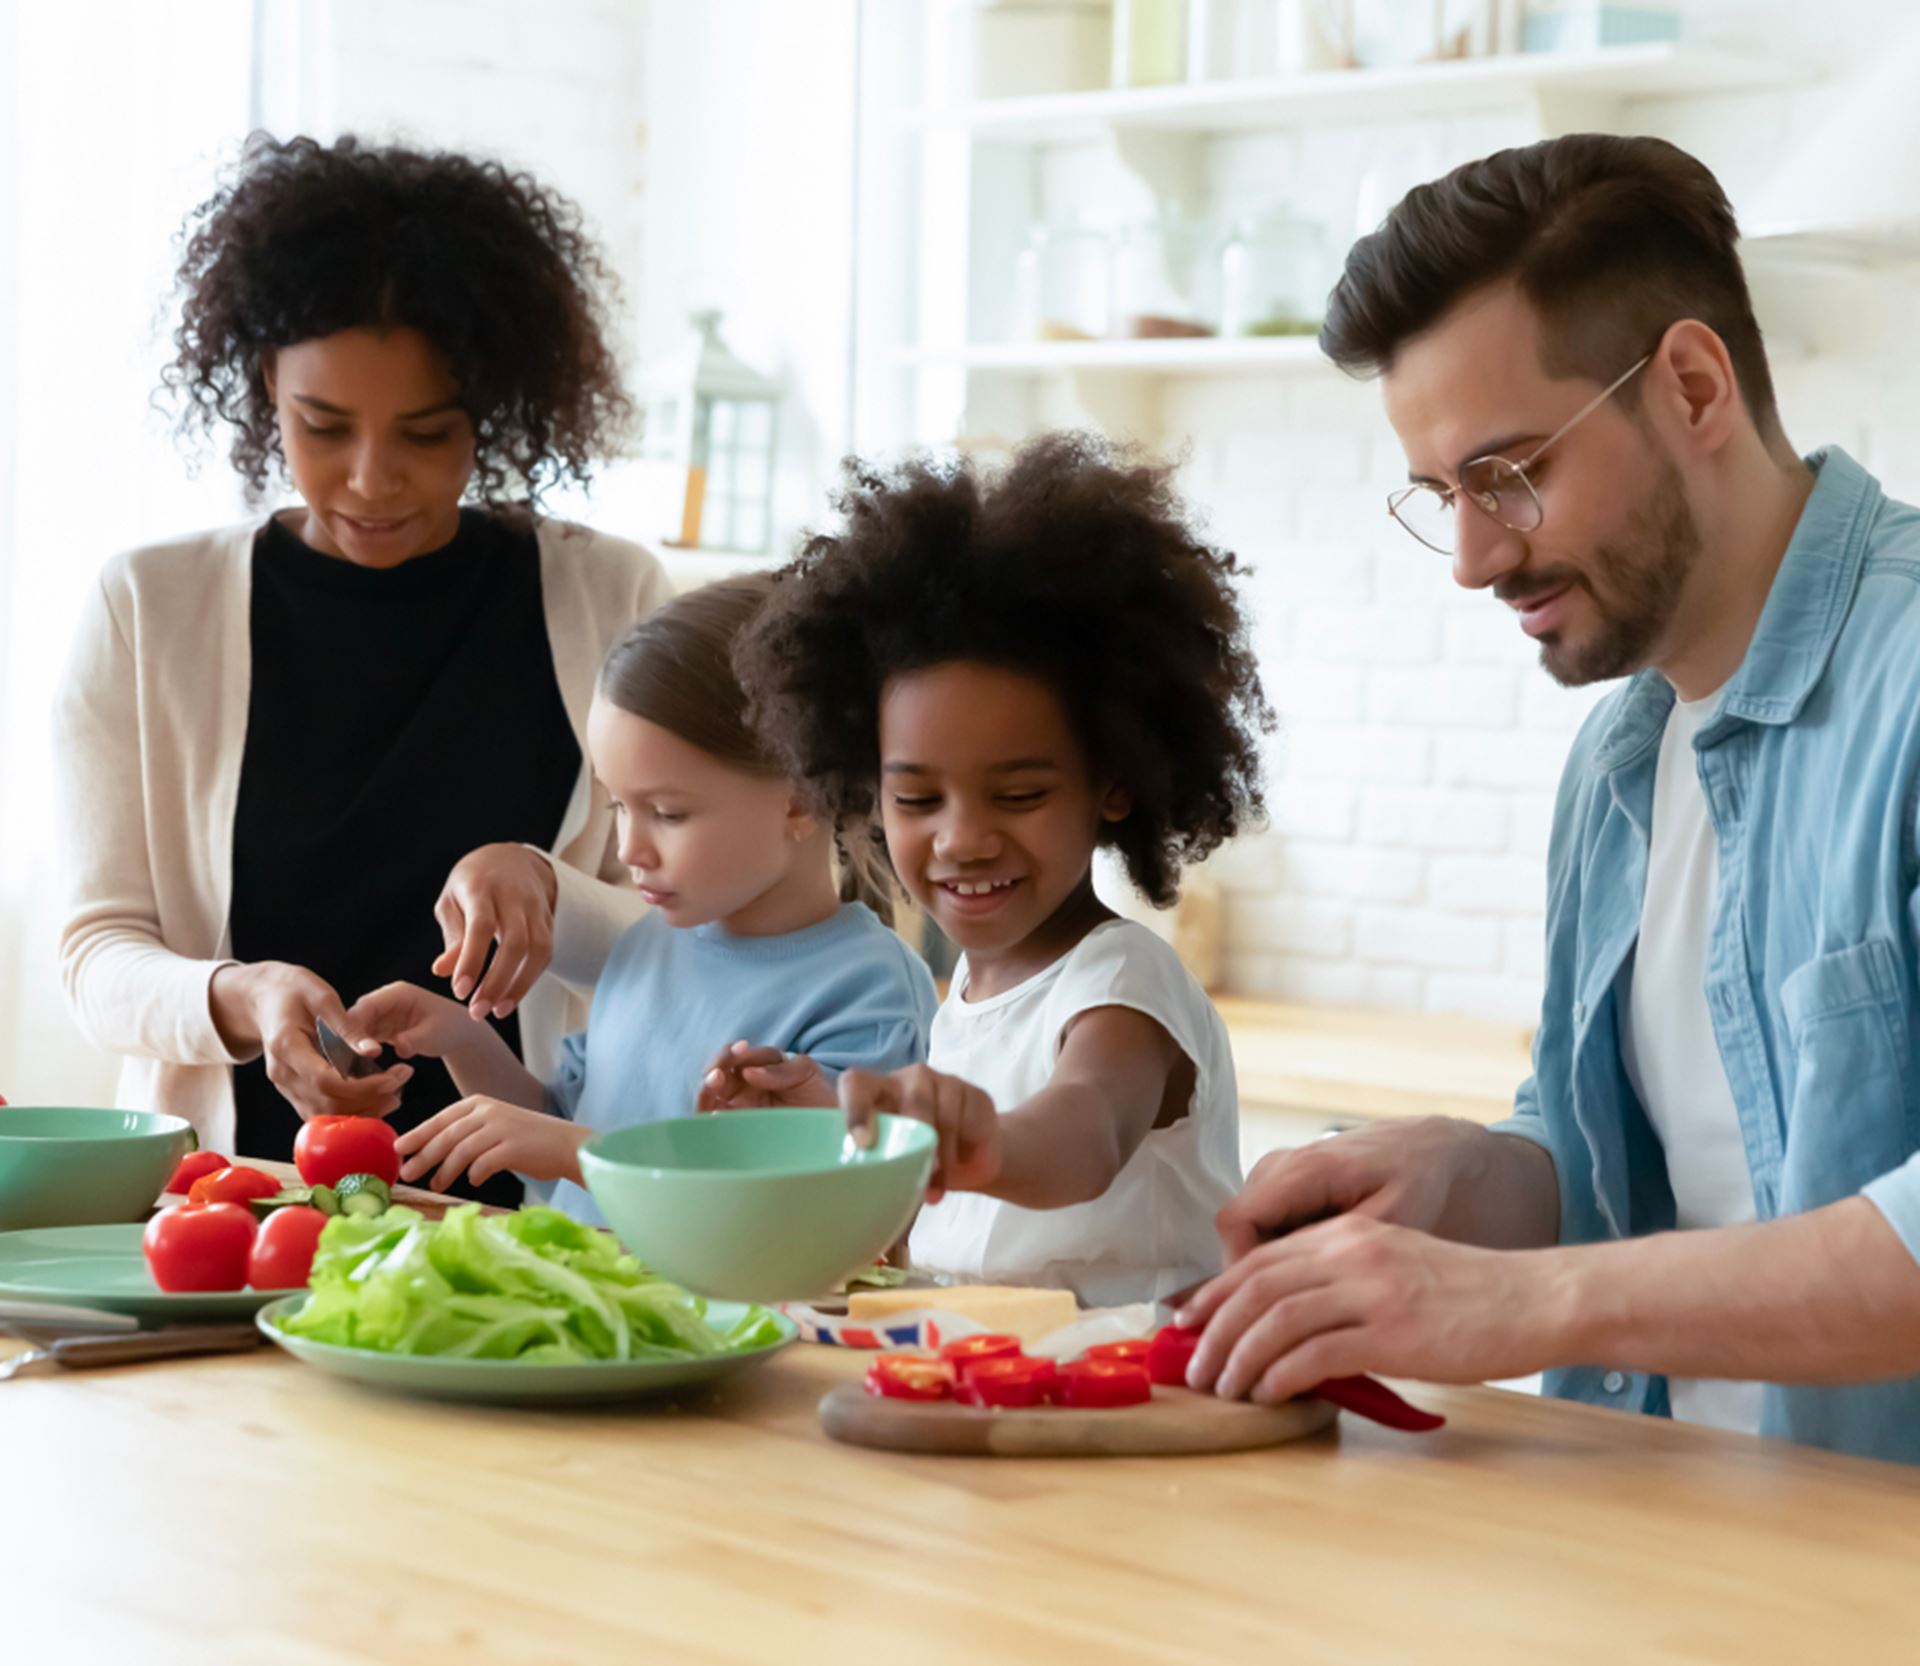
(991, 815)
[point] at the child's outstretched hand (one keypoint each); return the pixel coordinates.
(481, 1137)
(412, 1021)
(962, 1117)
(744, 1077)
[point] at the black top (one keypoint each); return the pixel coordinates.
(397, 720)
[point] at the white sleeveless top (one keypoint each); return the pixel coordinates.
(1151, 1232)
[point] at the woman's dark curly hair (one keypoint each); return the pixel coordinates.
(490, 266)
(1076, 565)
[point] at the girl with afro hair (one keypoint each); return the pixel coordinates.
(329, 748)
(1006, 672)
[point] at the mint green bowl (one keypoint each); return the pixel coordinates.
(72, 1165)
(758, 1205)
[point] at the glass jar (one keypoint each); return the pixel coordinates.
(1273, 277)
(1164, 286)
(1061, 281)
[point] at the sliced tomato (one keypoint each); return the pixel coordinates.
(1010, 1380)
(1096, 1384)
(968, 1351)
(1133, 1352)
(910, 1377)
(194, 1166)
(232, 1185)
(1170, 1352)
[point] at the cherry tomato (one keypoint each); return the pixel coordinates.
(966, 1352)
(232, 1185)
(329, 1148)
(1133, 1352)
(1170, 1352)
(200, 1246)
(194, 1166)
(1008, 1381)
(282, 1255)
(1095, 1384)
(910, 1377)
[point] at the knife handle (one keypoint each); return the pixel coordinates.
(77, 1352)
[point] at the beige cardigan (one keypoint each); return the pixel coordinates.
(148, 731)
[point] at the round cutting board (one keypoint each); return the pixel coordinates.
(1176, 1421)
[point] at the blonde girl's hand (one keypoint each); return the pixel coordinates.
(500, 897)
(412, 1021)
(745, 1077)
(481, 1137)
(965, 1122)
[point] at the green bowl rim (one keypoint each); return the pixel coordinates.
(180, 1123)
(263, 1320)
(924, 1144)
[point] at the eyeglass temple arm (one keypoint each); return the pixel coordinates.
(1586, 410)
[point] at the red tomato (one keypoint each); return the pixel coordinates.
(194, 1166)
(968, 1351)
(282, 1254)
(1170, 1352)
(1091, 1384)
(200, 1246)
(1008, 1381)
(1133, 1352)
(232, 1185)
(329, 1148)
(910, 1377)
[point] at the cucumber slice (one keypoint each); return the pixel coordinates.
(364, 1194)
(326, 1200)
(286, 1198)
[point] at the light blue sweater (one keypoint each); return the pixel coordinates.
(847, 992)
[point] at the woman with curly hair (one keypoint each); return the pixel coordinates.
(316, 753)
(1011, 672)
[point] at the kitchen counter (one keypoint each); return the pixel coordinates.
(249, 1510)
(1339, 1066)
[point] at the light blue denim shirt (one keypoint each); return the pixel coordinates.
(1810, 771)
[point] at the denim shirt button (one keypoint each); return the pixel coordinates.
(1613, 1382)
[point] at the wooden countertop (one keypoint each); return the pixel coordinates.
(1347, 1064)
(248, 1511)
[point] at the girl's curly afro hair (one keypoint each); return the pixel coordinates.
(1076, 565)
(306, 239)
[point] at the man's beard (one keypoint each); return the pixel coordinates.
(1635, 583)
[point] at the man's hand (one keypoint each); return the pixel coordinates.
(1441, 1175)
(1354, 1295)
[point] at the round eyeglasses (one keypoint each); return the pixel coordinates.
(1498, 488)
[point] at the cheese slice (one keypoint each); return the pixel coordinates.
(1011, 1310)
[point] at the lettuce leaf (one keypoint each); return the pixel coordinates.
(535, 1285)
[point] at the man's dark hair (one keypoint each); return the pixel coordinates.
(1612, 239)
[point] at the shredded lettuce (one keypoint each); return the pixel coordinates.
(535, 1286)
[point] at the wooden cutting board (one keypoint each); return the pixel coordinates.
(1177, 1421)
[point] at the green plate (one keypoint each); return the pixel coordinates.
(507, 1381)
(104, 1267)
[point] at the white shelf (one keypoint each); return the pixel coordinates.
(1655, 70)
(1195, 356)
(1894, 246)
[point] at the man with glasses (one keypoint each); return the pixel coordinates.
(1707, 1201)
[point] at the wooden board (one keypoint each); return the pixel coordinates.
(1178, 1421)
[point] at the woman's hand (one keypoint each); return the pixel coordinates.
(962, 1117)
(500, 895)
(744, 1077)
(271, 1007)
(481, 1137)
(412, 1021)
